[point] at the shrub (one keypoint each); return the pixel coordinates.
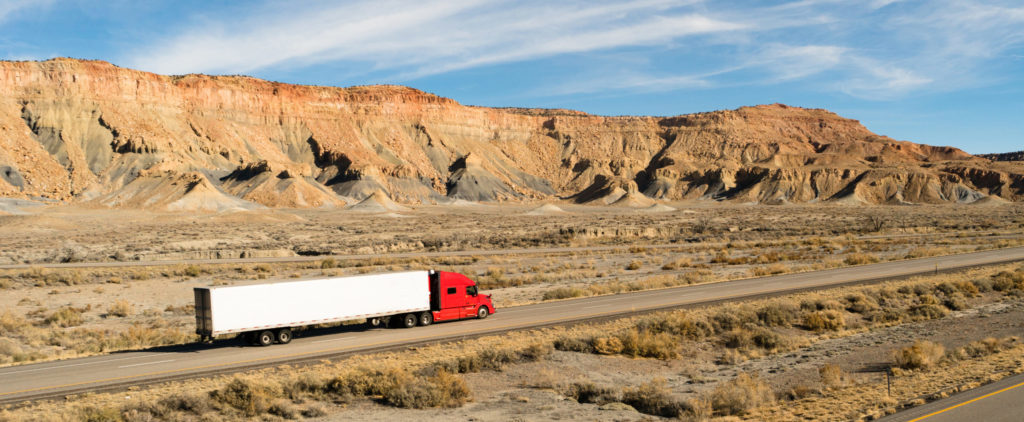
(563, 293)
(121, 308)
(738, 339)
(186, 403)
(831, 376)
(678, 324)
(768, 270)
(572, 344)
(819, 321)
(192, 271)
(328, 263)
(859, 258)
(637, 343)
(284, 409)
(967, 288)
(1006, 280)
(11, 323)
(733, 317)
(607, 345)
(983, 347)
(778, 314)
(740, 395)
(653, 398)
(955, 302)
(588, 392)
(10, 349)
(921, 354)
(771, 341)
(248, 397)
(927, 311)
(100, 414)
(444, 389)
(677, 264)
(65, 317)
(634, 265)
(858, 303)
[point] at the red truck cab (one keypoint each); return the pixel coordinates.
(454, 296)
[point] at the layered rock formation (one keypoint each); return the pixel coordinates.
(1005, 156)
(74, 130)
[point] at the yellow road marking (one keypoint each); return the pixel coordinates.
(966, 402)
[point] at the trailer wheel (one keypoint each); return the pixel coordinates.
(482, 312)
(265, 338)
(373, 322)
(284, 335)
(426, 318)
(409, 320)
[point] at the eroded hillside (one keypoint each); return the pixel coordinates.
(88, 131)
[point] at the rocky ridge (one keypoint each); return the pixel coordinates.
(1005, 156)
(88, 131)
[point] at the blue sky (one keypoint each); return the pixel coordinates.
(942, 72)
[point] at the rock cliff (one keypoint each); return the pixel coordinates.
(88, 131)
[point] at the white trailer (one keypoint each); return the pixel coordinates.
(271, 310)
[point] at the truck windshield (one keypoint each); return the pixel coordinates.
(471, 290)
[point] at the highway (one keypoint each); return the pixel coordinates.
(119, 370)
(1001, 401)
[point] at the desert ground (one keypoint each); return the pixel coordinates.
(140, 296)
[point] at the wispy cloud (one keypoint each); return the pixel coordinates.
(11, 7)
(425, 37)
(879, 49)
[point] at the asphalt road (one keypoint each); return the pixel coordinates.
(118, 370)
(1001, 401)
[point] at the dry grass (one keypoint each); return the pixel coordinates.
(921, 354)
(869, 401)
(741, 395)
(120, 308)
(758, 327)
(831, 376)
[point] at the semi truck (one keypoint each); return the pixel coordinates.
(264, 314)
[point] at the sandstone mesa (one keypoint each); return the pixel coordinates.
(90, 132)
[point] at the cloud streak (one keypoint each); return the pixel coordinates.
(881, 49)
(11, 7)
(426, 37)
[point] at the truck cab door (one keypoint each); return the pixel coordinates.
(469, 302)
(452, 302)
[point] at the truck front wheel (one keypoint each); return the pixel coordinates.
(482, 312)
(409, 320)
(265, 338)
(284, 335)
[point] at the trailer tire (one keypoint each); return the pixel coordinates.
(482, 312)
(284, 335)
(409, 320)
(374, 322)
(265, 338)
(426, 318)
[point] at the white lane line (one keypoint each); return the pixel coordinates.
(75, 364)
(332, 339)
(146, 363)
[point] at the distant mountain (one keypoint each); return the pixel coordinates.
(88, 131)
(1005, 156)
